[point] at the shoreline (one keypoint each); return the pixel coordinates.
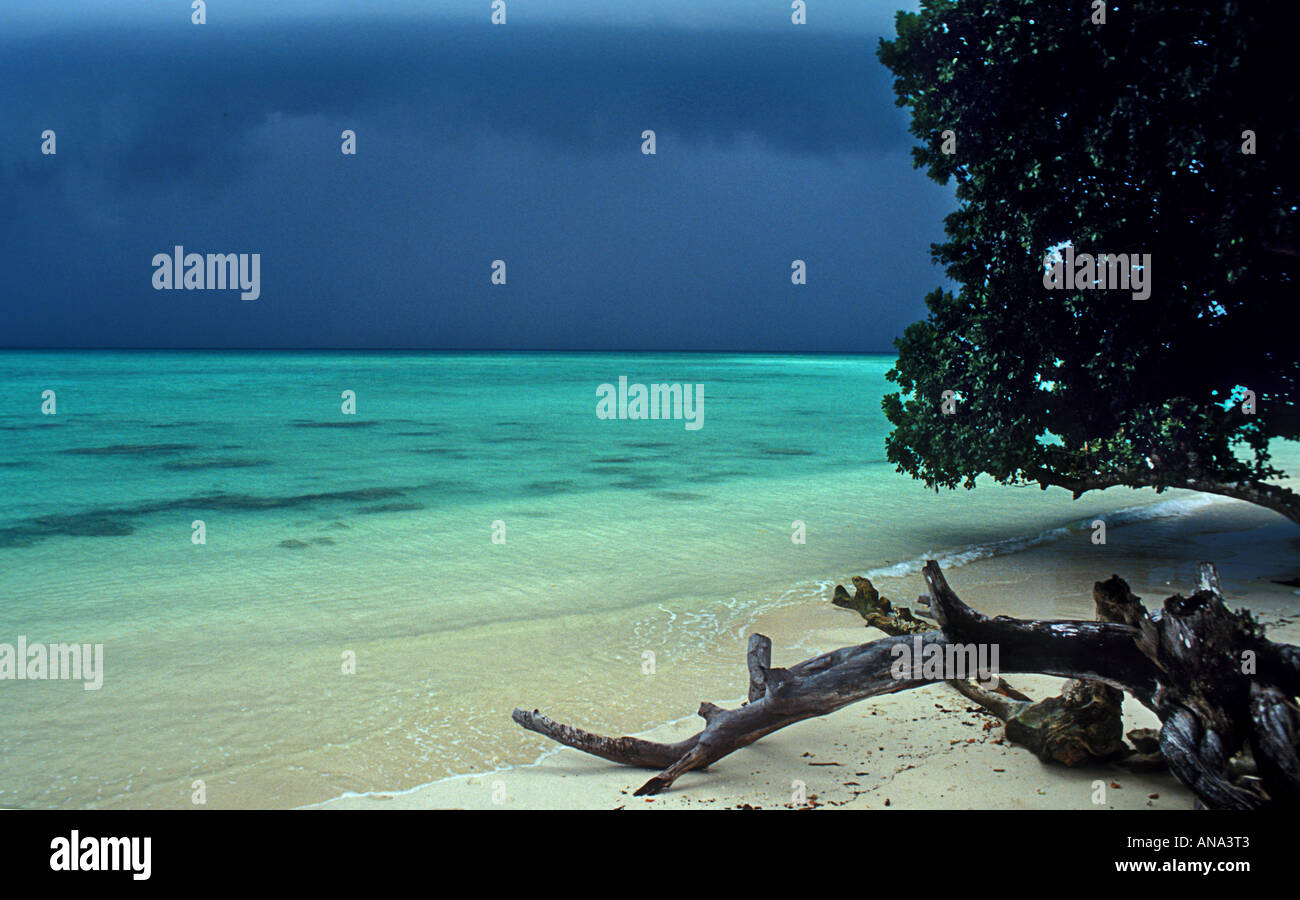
(928, 748)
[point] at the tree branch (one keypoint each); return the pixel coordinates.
(1181, 663)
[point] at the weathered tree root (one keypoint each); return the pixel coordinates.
(1209, 674)
(1084, 723)
(878, 611)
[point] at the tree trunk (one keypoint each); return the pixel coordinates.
(1281, 500)
(1208, 673)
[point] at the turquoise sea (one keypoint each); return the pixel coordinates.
(371, 536)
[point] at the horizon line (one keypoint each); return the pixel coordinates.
(433, 350)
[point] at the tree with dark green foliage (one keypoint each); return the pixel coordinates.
(1122, 136)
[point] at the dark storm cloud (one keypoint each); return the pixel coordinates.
(474, 143)
(165, 105)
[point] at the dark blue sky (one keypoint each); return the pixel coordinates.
(475, 142)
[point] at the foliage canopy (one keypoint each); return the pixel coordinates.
(1123, 137)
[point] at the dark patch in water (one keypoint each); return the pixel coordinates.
(606, 471)
(786, 451)
(338, 525)
(292, 544)
(424, 423)
(186, 465)
(617, 459)
(16, 464)
(508, 439)
(248, 501)
(113, 522)
(414, 433)
(389, 507)
(363, 423)
(651, 445)
(680, 495)
(102, 524)
(545, 488)
(639, 483)
(129, 449)
(711, 477)
(324, 541)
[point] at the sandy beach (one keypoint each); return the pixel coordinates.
(625, 545)
(928, 748)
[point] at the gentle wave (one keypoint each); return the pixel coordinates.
(955, 558)
(736, 616)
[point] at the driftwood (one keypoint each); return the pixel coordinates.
(1084, 723)
(1209, 674)
(878, 611)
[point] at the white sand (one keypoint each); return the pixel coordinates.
(927, 748)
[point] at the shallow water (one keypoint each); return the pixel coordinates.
(372, 534)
